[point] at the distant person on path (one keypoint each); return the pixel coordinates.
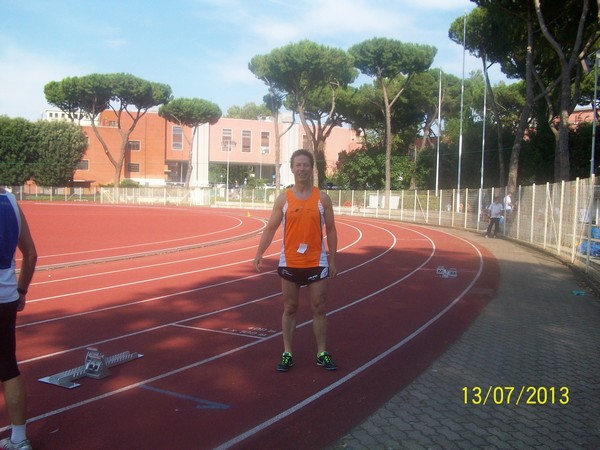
(305, 212)
(14, 232)
(496, 211)
(508, 205)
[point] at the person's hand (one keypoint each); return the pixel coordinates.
(21, 304)
(257, 263)
(332, 270)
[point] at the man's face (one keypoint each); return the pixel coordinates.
(301, 167)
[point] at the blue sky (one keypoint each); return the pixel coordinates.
(201, 48)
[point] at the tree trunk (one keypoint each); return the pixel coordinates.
(124, 141)
(513, 169)
(563, 128)
(566, 67)
(388, 142)
(311, 137)
(499, 127)
(103, 143)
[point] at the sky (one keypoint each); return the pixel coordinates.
(201, 48)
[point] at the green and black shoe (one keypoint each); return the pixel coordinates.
(286, 362)
(324, 360)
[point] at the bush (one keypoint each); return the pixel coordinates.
(127, 183)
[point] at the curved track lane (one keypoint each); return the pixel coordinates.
(209, 327)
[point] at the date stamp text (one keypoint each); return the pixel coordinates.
(516, 395)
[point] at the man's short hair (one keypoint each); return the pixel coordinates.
(304, 152)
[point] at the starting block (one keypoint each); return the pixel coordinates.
(441, 271)
(96, 366)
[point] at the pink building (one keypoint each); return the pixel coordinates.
(252, 142)
(158, 151)
(581, 115)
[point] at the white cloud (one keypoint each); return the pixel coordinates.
(116, 43)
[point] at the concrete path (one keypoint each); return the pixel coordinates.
(525, 375)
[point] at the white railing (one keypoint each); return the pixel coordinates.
(552, 217)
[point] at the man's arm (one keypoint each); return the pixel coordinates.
(269, 231)
(331, 233)
(27, 248)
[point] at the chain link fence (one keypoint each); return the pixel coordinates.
(558, 218)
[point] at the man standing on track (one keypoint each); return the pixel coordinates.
(303, 210)
(14, 232)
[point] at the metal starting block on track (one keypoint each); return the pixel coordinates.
(96, 366)
(441, 271)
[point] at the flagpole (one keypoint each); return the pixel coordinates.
(595, 117)
(437, 162)
(483, 137)
(593, 162)
(462, 100)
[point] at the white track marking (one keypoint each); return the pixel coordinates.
(147, 266)
(139, 254)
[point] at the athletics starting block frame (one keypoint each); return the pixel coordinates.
(96, 366)
(441, 271)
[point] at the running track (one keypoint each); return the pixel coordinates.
(177, 285)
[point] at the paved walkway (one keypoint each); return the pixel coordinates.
(536, 335)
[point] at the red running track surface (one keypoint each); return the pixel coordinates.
(177, 285)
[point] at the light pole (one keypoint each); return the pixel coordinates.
(228, 144)
(260, 147)
(479, 206)
(595, 115)
(437, 154)
(592, 161)
(462, 101)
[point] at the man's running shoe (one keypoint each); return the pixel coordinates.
(286, 362)
(324, 360)
(7, 444)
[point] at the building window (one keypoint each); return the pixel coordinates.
(177, 138)
(226, 142)
(246, 141)
(134, 146)
(133, 167)
(265, 141)
(112, 123)
(84, 164)
(175, 172)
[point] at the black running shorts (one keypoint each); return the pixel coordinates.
(303, 276)
(8, 358)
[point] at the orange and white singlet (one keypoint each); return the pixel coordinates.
(303, 221)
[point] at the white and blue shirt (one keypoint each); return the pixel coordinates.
(10, 229)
